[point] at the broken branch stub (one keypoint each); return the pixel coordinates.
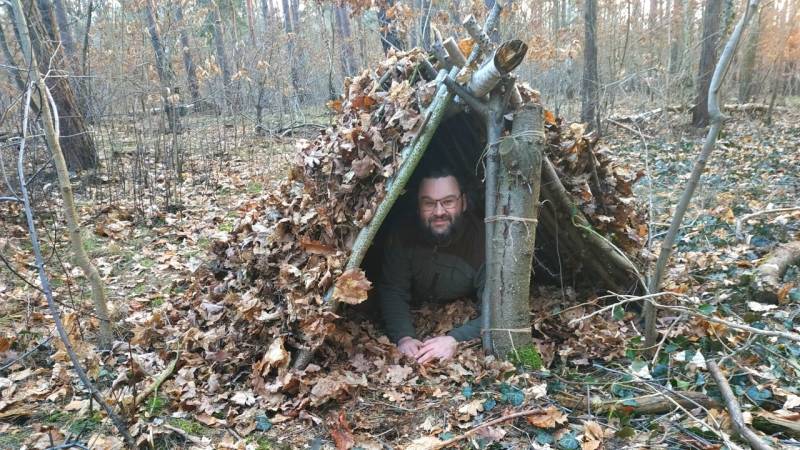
(454, 53)
(505, 59)
(477, 34)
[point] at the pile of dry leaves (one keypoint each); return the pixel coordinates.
(264, 293)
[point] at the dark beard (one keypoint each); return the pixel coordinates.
(456, 224)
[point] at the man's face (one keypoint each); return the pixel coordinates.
(440, 205)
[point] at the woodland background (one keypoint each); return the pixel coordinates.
(177, 116)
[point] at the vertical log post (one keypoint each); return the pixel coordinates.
(515, 215)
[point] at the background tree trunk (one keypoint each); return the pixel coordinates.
(589, 84)
(514, 232)
(708, 59)
(290, 48)
(188, 61)
(65, 31)
(749, 62)
(219, 46)
(347, 55)
(676, 36)
(163, 67)
(76, 140)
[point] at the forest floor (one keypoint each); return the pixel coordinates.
(589, 386)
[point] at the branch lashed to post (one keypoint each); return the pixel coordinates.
(514, 231)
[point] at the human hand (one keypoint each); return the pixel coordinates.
(441, 347)
(409, 346)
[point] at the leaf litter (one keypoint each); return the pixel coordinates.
(240, 315)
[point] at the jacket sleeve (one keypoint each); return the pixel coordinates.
(394, 291)
(472, 328)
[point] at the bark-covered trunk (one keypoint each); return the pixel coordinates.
(708, 59)
(514, 232)
(65, 30)
(251, 22)
(218, 37)
(265, 14)
(342, 20)
(188, 61)
(290, 48)
(554, 18)
(425, 24)
(676, 37)
(589, 84)
(163, 67)
(749, 62)
(76, 141)
(388, 32)
(8, 59)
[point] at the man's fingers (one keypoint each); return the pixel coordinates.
(426, 355)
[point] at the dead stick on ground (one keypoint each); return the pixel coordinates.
(625, 127)
(502, 419)
(166, 373)
(745, 218)
(734, 410)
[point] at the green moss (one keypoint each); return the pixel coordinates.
(189, 426)
(261, 443)
(156, 405)
(86, 424)
(527, 357)
(157, 301)
(56, 417)
(226, 226)
(147, 263)
(254, 188)
(14, 440)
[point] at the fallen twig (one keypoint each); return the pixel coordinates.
(745, 218)
(625, 127)
(658, 403)
(469, 433)
(734, 409)
(166, 373)
(774, 333)
(189, 437)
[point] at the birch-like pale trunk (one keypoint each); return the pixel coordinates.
(50, 121)
(715, 116)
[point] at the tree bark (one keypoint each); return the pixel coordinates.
(52, 135)
(65, 31)
(265, 14)
(290, 49)
(708, 58)
(749, 62)
(188, 61)
(76, 140)
(589, 84)
(508, 279)
(217, 35)
(251, 22)
(342, 20)
(163, 67)
(676, 35)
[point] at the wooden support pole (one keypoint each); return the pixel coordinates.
(494, 131)
(507, 57)
(476, 33)
(454, 53)
(514, 231)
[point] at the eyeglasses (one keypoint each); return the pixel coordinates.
(449, 203)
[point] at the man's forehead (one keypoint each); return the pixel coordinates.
(439, 186)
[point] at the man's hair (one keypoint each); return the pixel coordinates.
(440, 172)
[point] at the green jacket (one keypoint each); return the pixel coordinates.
(416, 270)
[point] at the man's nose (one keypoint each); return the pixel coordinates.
(439, 207)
